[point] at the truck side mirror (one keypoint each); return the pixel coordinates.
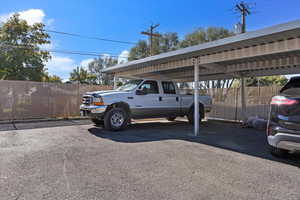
(140, 92)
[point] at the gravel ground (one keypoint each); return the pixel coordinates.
(150, 160)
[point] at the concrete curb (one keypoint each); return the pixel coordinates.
(42, 120)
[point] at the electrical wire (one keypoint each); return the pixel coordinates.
(89, 37)
(83, 53)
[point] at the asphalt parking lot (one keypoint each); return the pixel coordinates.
(150, 160)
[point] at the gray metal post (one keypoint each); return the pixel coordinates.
(196, 98)
(243, 99)
(115, 82)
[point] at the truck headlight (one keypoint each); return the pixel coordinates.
(98, 101)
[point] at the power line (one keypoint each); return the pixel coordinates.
(83, 53)
(89, 37)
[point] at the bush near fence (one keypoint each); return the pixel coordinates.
(31, 100)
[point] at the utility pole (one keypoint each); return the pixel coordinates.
(243, 8)
(151, 35)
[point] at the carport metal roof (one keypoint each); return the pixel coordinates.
(270, 51)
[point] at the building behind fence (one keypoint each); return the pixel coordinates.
(31, 100)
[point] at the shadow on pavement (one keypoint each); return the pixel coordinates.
(222, 135)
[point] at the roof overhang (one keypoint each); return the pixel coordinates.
(269, 51)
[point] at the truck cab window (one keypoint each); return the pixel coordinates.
(168, 88)
(150, 87)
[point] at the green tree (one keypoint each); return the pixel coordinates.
(167, 42)
(141, 50)
(266, 81)
(20, 55)
(97, 65)
(79, 75)
(51, 78)
(83, 76)
(202, 35)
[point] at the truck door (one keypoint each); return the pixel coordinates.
(147, 105)
(170, 99)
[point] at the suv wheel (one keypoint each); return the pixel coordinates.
(278, 152)
(115, 119)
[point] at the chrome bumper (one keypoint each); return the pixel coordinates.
(285, 141)
(92, 109)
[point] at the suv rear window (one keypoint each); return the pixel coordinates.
(292, 87)
(168, 88)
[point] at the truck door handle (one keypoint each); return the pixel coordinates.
(159, 98)
(177, 98)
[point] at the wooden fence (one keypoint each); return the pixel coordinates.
(227, 102)
(29, 100)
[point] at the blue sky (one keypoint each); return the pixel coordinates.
(124, 20)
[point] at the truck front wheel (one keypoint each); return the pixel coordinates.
(115, 119)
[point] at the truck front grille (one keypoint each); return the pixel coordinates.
(87, 100)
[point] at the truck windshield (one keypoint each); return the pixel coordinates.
(130, 85)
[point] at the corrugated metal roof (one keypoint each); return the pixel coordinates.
(191, 51)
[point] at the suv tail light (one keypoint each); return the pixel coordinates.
(280, 100)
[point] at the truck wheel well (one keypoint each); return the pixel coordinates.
(123, 105)
(201, 109)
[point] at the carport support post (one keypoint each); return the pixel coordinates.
(196, 97)
(115, 82)
(243, 99)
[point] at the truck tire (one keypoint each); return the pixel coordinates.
(278, 152)
(190, 116)
(98, 122)
(171, 119)
(116, 119)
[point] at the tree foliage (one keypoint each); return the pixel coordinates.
(167, 42)
(51, 78)
(93, 74)
(21, 57)
(81, 75)
(97, 65)
(202, 35)
(266, 81)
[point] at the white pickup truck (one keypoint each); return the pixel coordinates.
(139, 99)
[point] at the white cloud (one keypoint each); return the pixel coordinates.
(85, 63)
(123, 57)
(61, 66)
(31, 16)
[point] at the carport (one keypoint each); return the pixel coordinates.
(270, 51)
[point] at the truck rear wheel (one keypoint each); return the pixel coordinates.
(116, 119)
